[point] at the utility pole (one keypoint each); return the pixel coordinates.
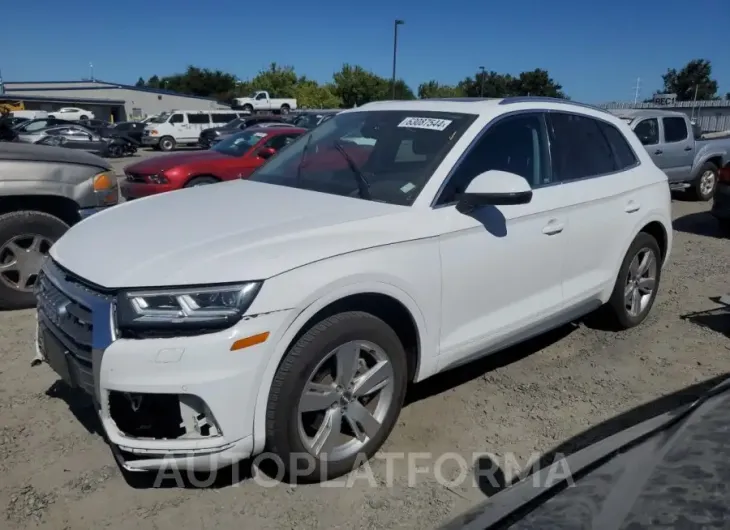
(481, 89)
(637, 89)
(398, 22)
(91, 71)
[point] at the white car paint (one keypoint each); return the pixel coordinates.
(469, 292)
(182, 126)
(72, 113)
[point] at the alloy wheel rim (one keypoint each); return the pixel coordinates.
(346, 400)
(21, 259)
(640, 282)
(707, 182)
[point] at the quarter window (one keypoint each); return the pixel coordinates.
(648, 131)
(579, 148)
(675, 129)
(517, 144)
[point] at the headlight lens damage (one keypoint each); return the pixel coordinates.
(216, 307)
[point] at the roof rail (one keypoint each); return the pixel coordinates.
(545, 99)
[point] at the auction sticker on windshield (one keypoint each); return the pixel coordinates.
(431, 124)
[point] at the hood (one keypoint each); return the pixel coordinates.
(227, 232)
(213, 130)
(161, 163)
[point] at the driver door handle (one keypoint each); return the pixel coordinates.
(658, 152)
(688, 148)
(632, 207)
(553, 227)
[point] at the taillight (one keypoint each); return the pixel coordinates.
(724, 174)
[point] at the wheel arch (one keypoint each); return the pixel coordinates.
(386, 299)
(200, 175)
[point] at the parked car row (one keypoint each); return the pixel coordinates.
(390, 243)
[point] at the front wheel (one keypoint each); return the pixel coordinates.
(25, 239)
(201, 181)
(336, 396)
(248, 108)
(167, 143)
(284, 109)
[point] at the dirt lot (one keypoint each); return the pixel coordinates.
(57, 472)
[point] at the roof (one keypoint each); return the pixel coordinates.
(721, 103)
(476, 105)
(56, 99)
(645, 113)
(44, 153)
(102, 85)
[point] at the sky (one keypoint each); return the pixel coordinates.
(596, 50)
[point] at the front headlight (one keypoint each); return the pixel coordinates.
(186, 309)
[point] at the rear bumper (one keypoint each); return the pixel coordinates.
(137, 190)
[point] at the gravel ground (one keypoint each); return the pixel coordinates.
(57, 472)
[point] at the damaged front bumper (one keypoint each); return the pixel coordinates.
(179, 402)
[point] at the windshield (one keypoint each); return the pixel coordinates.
(162, 118)
(308, 121)
(393, 152)
(234, 123)
(238, 144)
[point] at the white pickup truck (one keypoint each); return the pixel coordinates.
(261, 100)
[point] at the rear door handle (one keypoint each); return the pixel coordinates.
(658, 152)
(688, 148)
(632, 207)
(553, 227)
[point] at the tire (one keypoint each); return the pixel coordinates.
(167, 143)
(248, 108)
(703, 188)
(284, 429)
(84, 117)
(201, 181)
(284, 109)
(615, 313)
(19, 225)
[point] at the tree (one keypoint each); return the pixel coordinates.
(280, 81)
(433, 89)
(727, 96)
(402, 91)
(695, 76)
(355, 86)
(311, 95)
(140, 82)
(536, 83)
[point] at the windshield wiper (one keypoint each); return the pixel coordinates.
(301, 160)
(363, 185)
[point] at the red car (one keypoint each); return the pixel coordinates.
(235, 157)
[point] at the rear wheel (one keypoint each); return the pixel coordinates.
(25, 238)
(636, 286)
(84, 117)
(336, 396)
(167, 143)
(703, 188)
(285, 109)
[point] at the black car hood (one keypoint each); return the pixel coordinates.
(669, 472)
(221, 130)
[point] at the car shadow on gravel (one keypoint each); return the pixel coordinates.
(699, 223)
(449, 379)
(717, 319)
(491, 479)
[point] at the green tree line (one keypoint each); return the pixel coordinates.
(354, 86)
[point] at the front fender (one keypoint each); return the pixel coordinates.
(424, 305)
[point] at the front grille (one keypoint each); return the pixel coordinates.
(76, 316)
(135, 177)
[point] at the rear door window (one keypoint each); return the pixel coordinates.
(579, 148)
(675, 129)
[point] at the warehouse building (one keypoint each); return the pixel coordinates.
(709, 115)
(109, 101)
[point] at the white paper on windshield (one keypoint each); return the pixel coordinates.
(259, 134)
(430, 124)
(408, 187)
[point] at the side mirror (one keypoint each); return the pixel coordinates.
(495, 188)
(266, 152)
